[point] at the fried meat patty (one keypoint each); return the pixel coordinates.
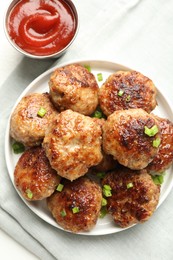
(26, 126)
(73, 144)
(124, 137)
(76, 208)
(74, 87)
(33, 175)
(106, 164)
(164, 158)
(134, 196)
(125, 90)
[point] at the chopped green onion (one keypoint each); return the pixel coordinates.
(29, 193)
(75, 210)
(41, 112)
(98, 114)
(107, 190)
(18, 147)
(158, 179)
(63, 213)
(128, 98)
(156, 142)
(151, 131)
(88, 67)
(120, 93)
(104, 202)
(107, 193)
(60, 187)
(101, 175)
(161, 179)
(103, 212)
(107, 187)
(99, 76)
(129, 185)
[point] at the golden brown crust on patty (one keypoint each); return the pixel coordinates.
(73, 144)
(82, 194)
(26, 125)
(130, 205)
(125, 139)
(74, 87)
(164, 157)
(33, 175)
(126, 90)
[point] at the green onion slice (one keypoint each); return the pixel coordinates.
(129, 185)
(99, 76)
(103, 212)
(88, 67)
(63, 213)
(75, 210)
(98, 114)
(104, 202)
(107, 187)
(29, 193)
(151, 131)
(107, 190)
(156, 142)
(158, 179)
(120, 93)
(18, 147)
(41, 112)
(60, 187)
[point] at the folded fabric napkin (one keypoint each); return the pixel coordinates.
(136, 33)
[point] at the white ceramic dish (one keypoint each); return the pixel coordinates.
(40, 84)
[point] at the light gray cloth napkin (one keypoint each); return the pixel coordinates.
(136, 33)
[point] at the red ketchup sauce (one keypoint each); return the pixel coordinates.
(41, 27)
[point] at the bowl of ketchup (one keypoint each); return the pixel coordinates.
(41, 28)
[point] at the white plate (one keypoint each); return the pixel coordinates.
(40, 84)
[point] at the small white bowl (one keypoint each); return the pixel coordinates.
(54, 55)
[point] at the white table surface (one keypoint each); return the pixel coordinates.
(9, 248)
